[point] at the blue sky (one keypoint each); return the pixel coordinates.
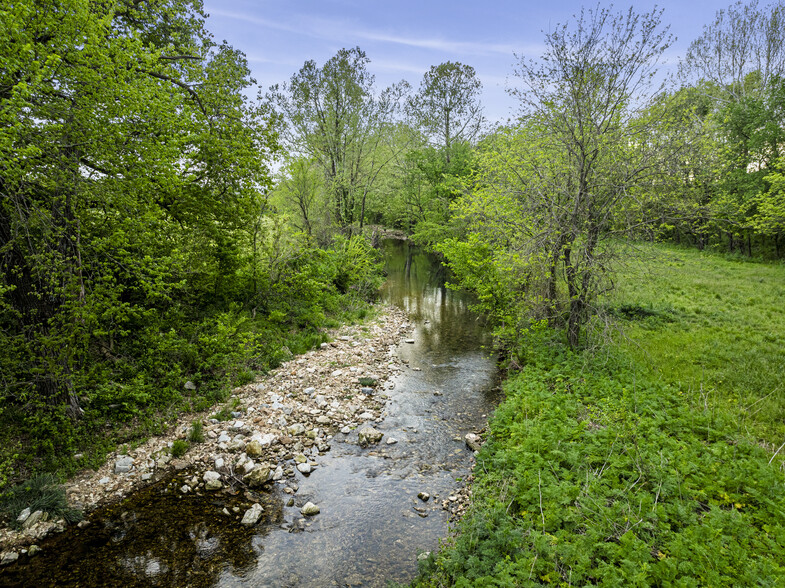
(404, 38)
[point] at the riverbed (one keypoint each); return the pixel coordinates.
(380, 506)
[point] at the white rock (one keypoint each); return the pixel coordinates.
(23, 515)
(304, 468)
(211, 475)
(337, 373)
(392, 441)
(252, 515)
(123, 464)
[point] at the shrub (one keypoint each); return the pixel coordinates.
(179, 448)
(196, 434)
(42, 493)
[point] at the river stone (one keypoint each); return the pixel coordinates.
(366, 416)
(473, 441)
(369, 436)
(8, 557)
(258, 477)
(296, 429)
(32, 550)
(237, 426)
(219, 463)
(253, 449)
(211, 476)
(23, 515)
(213, 485)
(252, 515)
(367, 391)
(424, 496)
(33, 519)
(300, 458)
(392, 441)
(185, 489)
(310, 509)
(309, 391)
(304, 468)
(224, 438)
(323, 420)
(123, 464)
(236, 445)
(346, 430)
(278, 473)
(267, 439)
(189, 385)
(337, 373)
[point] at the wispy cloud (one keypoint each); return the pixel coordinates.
(337, 30)
(444, 45)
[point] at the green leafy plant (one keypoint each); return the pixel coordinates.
(196, 434)
(42, 492)
(179, 448)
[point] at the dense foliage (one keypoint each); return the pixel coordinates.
(596, 473)
(137, 247)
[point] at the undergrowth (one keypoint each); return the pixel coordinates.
(650, 464)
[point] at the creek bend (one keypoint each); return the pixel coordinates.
(372, 525)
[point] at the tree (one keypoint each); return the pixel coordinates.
(447, 105)
(580, 156)
(743, 41)
(739, 61)
(132, 164)
(333, 116)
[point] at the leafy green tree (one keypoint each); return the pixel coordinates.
(447, 106)
(583, 155)
(333, 116)
(132, 166)
(740, 58)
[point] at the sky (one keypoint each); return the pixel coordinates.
(404, 38)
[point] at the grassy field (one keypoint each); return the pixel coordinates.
(649, 462)
(713, 326)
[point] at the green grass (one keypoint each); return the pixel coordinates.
(714, 327)
(650, 463)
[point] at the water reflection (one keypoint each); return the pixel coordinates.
(157, 538)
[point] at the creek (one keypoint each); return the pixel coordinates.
(372, 525)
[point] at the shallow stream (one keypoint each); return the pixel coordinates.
(372, 525)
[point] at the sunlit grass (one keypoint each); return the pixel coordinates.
(713, 326)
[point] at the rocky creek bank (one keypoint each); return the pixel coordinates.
(279, 425)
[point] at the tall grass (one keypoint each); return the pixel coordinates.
(714, 327)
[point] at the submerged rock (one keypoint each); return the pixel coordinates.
(369, 436)
(252, 515)
(310, 509)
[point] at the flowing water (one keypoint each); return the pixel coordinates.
(372, 525)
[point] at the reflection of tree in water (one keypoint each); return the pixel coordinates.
(421, 289)
(154, 539)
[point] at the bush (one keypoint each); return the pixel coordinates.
(196, 434)
(42, 493)
(179, 448)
